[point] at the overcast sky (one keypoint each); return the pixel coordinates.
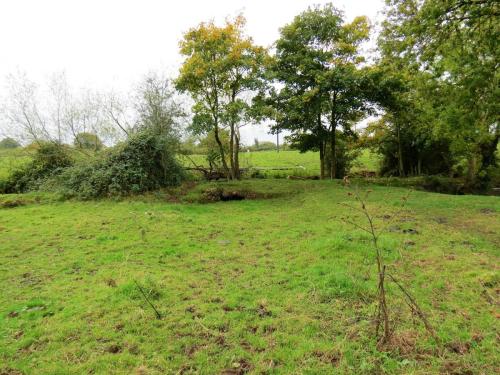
(108, 44)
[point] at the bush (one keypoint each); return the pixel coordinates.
(49, 160)
(444, 185)
(88, 141)
(143, 163)
(8, 143)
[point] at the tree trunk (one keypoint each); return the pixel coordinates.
(237, 156)
(333, 155)
(488, 149)
(471, 169)
(278, 141)
(231, 151)
(333, 139)
(233, 141)
(400, 154)
(322, 160)
(221, 150)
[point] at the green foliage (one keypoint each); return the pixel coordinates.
(222, 68)
(210, 148)
(421, 152)
(260, 146)
(447, 52)
(158, 109)
(8, 143)
(325, 89)
(88, 141)
(49, 160)
(144, 162)
(345, 151)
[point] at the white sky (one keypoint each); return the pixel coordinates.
(108, 44)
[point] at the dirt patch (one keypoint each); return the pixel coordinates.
(114, 349)
(12, 203)
(263, 311)
(10, 371)
(402, 343)
(331, 357)
(454, 368)
(220, 194)
(239, 367)
(459, 347)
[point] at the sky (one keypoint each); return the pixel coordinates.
(111, 44)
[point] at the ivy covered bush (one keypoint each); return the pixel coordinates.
(50, 160)
(145, 162)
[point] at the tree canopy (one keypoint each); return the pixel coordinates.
(221, 69)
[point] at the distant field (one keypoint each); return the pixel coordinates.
(271, 286)
(12, 159)
(299, 163)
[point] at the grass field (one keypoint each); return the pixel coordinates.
(298, 163)
(274, 286)
(12, 159)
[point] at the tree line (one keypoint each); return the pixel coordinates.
(433, 84)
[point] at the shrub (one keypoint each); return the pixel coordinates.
(88, 141)
(7, 143)
(444, 185)
(143, 163)
(49, 160)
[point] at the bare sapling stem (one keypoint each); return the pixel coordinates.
(383, 313)
(158, 315)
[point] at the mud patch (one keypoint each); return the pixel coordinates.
(10, 371)
(331, 357)
(12, 203)
(220, 194)
(239, 367)
(114, 349)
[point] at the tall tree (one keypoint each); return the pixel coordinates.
(221, 70)
(318, 63)
(454, 43)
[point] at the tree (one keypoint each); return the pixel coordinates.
(22, 110)
(210, 148)
(221, 71)
(8, 143)
(319, 66)
(158, 109)
(88, 141)
(454, 43)
(59, 116)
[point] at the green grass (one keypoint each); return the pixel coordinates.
(277, 286)
(306, 163)
(302, 164)
(11, 159)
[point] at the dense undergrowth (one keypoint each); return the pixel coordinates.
(143, 163)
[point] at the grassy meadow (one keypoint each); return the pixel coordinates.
(301, 164)
(10, 159)
(266, 286)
